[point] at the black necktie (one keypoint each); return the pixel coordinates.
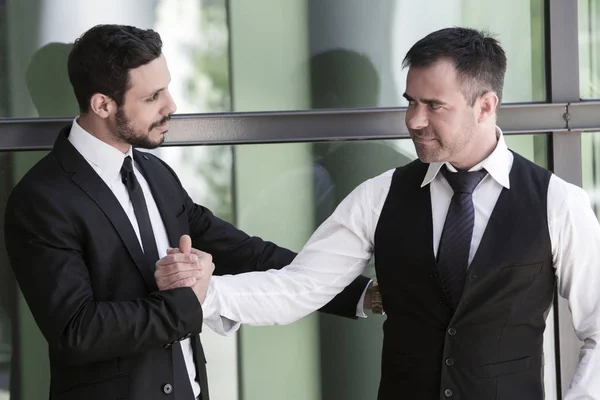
(453, 252)
(182, 390)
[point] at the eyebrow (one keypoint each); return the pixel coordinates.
(435, 102)
(154, 92)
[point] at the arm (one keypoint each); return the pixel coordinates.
(575, 235)
(48, 258)
(235, 252)
(333, 257)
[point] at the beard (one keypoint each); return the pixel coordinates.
(126, 132)
(431, 147)
(428, 145)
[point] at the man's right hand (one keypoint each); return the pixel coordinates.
(185, 267)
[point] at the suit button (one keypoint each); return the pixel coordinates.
(449, 362)
(451, 331)
(433, 275)
(448, 392)
(168, 388)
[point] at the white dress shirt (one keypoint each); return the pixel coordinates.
(107, 162)
(341, 247)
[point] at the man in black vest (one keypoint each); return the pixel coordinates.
(469, 241)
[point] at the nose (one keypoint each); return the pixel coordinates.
(170, 106)
(416, 118)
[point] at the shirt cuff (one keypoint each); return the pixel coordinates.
(360, 310)
(212, 318)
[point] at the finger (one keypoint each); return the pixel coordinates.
(185, 244)
(179, 276)
(177, 258)
(189, 282)
(202, 256)
(173, 250)
(164, 272)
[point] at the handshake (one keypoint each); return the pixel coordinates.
(185, 267)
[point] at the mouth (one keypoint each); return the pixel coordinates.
(423, 139)
(161, 126)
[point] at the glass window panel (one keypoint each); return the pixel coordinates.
(590, 158)
(348, 53)
(7, 290)
(589, 48)
(293, 55)
(38, 35)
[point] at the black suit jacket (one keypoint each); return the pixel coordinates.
(95, 299)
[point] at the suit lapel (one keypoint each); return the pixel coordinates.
(88, 180)
(165, 206)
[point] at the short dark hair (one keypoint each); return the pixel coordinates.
(102, 57)
(477, 56)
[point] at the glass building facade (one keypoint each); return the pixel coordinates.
(283, 108)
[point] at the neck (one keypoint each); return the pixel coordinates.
(100, 130)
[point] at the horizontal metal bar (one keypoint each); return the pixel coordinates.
(303, 126)
(584, 116)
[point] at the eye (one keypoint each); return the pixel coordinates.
(153, 97)
(434, 106)
(412, 103)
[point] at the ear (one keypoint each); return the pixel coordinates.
(487, 106)
(102, 105)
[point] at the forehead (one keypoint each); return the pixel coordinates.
(150, 77)
(432, 81)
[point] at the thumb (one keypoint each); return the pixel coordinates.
(185, 244)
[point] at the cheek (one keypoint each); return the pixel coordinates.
(142, 120)
(452, 125)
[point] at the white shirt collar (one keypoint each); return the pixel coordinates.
(496, 164)
(104, 156)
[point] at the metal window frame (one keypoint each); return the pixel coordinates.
(564, 117)
(305, 126)
(562, 64)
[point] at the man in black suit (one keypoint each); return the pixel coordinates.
(87, 224)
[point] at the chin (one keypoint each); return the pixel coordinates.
(158, 141)
(427, 155)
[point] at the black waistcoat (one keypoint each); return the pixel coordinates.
(490, 347)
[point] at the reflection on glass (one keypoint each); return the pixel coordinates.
(589, 48)
(39, 36)
(348, 53)
(590, 159)
(283, 56)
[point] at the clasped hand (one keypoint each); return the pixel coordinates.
(185, 267)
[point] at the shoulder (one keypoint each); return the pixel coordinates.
(564, 194)
(156, 164)
(46, 179)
